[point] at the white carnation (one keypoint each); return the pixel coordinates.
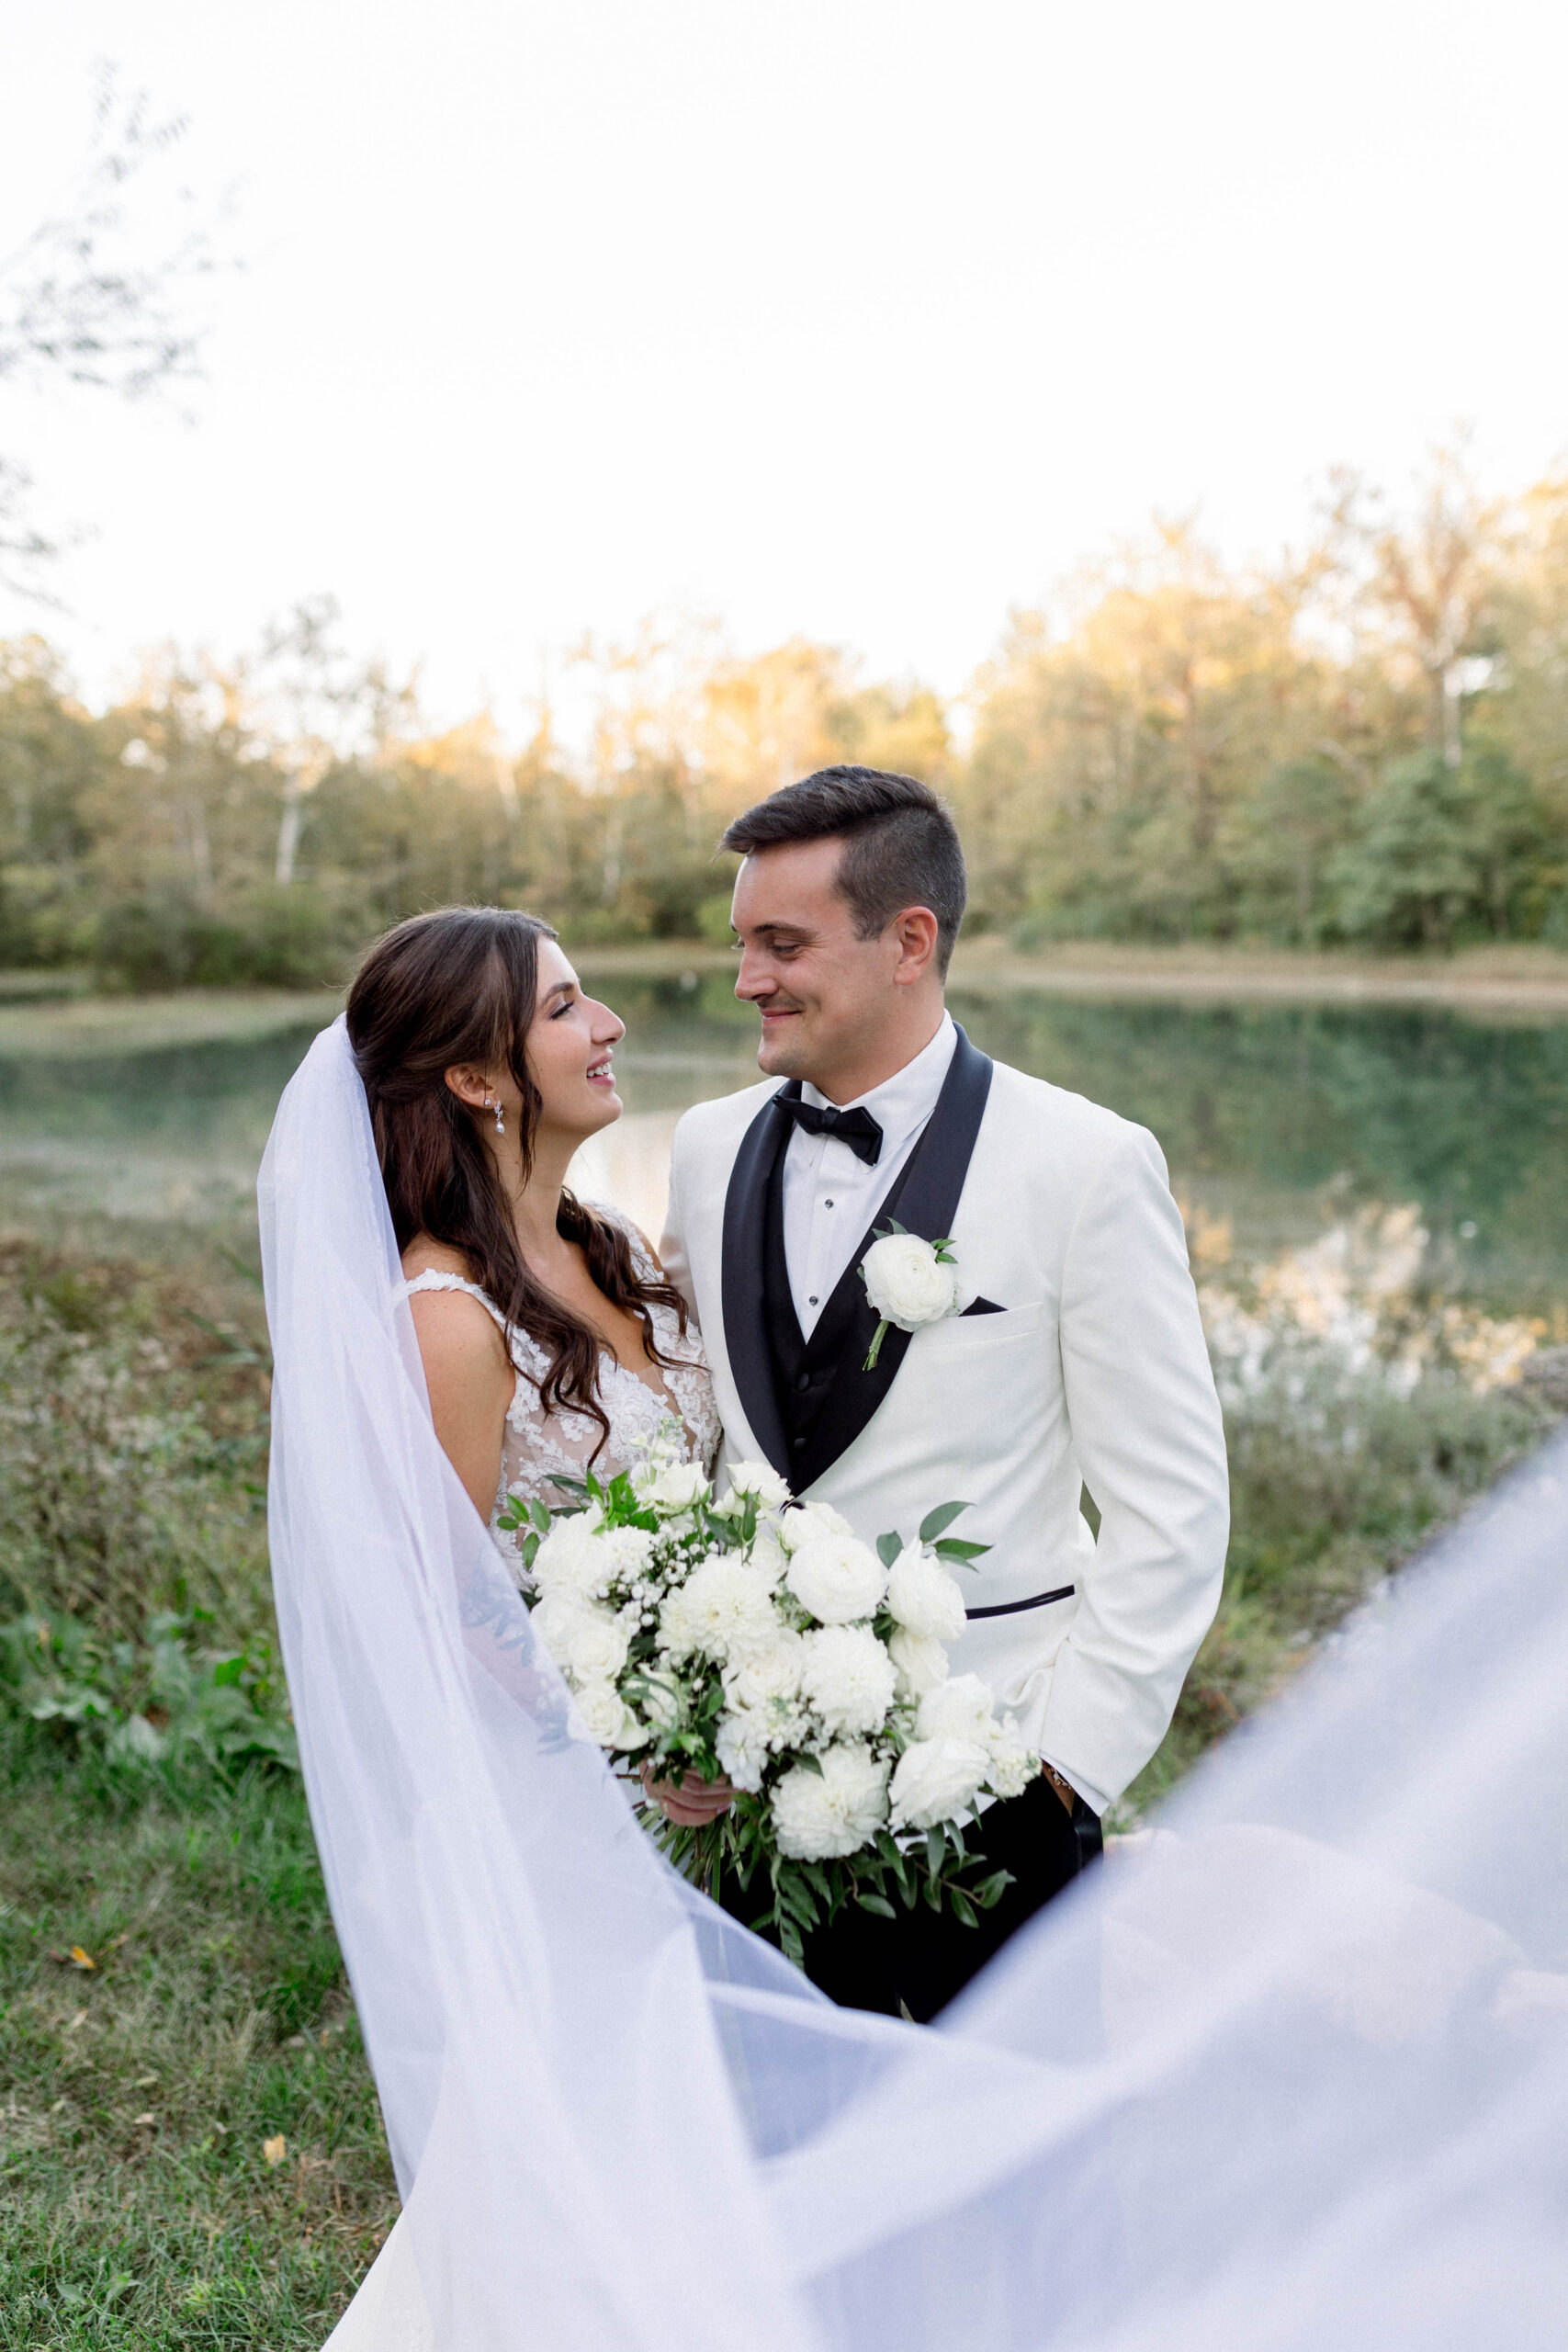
(629, 1550)
(586, 1643)
(768, 1678)
(836, 1811)
(1013, 1765)
(674, 1488)
(761, 1481)
(723, 1610)
(936, 1780)
(907, 1283)
(807, 1522)
(608, 1719)
(847, 1678)
(573, 1559)
(957, 1709)
(741, 1745)
(920, 1661)
(923, 1597)
(837, 1578)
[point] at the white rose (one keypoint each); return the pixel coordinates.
(847, 1678)
(920, 1662)
(907, 1283)
(723, 1610)
(837, 1578)
(608, 1719)
(957, 1709)
(674, 1488)
(570, 1559)
(761, 1481)
(935, 1781)
(924, 1597)
(807, 1522)
(836, 1811)
(586, 1643)
(1013, 1765)
(741, 1745)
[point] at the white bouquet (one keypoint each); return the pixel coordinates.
(755, 1639)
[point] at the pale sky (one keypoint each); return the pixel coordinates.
(864, 319)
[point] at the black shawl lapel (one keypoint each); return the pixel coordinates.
(926, 1204)
(741, 1284)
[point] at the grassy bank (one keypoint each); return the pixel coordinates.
(191, 2153)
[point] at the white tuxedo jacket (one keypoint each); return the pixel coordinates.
(1095, 1373)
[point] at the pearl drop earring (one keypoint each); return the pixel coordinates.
(500, 1121)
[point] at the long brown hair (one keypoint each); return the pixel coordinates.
(461, 986)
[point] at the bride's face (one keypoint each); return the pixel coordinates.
(569, 1047)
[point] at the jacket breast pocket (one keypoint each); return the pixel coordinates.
(961, 1336)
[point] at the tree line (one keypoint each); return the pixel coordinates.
(1364, 743)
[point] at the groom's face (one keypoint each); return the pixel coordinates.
(827, 999)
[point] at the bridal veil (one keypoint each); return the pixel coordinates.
(1290, 2071)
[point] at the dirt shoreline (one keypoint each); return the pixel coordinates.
(1501, 984)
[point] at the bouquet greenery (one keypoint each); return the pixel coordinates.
(752, 1638)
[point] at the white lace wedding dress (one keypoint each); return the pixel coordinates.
(543, 1445)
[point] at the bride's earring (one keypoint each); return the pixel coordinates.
(500, 1121)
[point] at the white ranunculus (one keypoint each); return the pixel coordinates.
(741, 1745)
(935, 1781)
(761, 1481)
(571, 1560)
(674, 1488)
(837, 1577)
(608, 1718)
(905, 1282)
(924, 1597)
(957, 1709)
(836, 1811)
(847, 1678)
(723, 1610)
(808, 1523)
(1013, 1765)
(920, 1661)
(588, 1644)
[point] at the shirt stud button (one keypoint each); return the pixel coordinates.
(812, 1301)
(827, 1204)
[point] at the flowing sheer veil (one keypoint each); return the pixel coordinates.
(1292, 2071)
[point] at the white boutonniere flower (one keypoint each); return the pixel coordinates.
(909, 1283)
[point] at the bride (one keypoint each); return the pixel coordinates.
(552, 1345)
(1294, 2075)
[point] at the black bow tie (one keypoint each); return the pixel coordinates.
(857, 1129)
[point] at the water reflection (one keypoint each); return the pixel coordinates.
(1281, 1124)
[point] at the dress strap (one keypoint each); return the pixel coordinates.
(433, 1279)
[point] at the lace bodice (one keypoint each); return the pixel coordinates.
(540, 1447)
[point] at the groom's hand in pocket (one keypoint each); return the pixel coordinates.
(692, 1805)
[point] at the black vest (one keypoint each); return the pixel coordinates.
(804, 1370)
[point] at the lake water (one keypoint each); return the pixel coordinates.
(1284, 1126)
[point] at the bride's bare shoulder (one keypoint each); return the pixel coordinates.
(424, 1256)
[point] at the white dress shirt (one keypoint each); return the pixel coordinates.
(830, 1194)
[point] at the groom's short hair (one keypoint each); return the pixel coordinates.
(901, 846)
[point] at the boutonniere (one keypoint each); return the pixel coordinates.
(907, 1281)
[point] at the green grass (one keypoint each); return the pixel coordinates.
(137, 2208)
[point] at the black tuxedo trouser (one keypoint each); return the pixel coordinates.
(923, 1959)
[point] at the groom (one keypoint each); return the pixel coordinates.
(1080, 1362)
